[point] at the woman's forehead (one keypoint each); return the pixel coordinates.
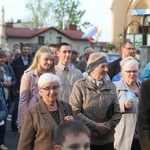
(51, 83)
(130, 66)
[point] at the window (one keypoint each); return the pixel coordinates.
(59, 40)
(41, 40)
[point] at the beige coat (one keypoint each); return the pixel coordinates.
(126, 128)
(92, 105)
(38, 126)
(29, 92)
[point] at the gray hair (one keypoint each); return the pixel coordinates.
(47, 78)
(95, 56)
(129, 61)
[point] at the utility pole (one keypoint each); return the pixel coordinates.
(63, 23)
(3, 43)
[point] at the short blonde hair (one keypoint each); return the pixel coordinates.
(128, 61)
(95, 56)
(47, 78)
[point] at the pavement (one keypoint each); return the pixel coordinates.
(11, 138)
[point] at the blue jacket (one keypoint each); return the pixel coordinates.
(146, 72)
(3, 107)
(117, 77)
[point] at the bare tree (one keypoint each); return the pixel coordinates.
(39, 13)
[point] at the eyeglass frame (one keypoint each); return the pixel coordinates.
(129, 48)
(131, 71)
(51, 88)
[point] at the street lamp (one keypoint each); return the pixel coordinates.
(120, 37)
(142, 29)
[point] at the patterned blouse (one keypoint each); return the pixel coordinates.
(55, 115)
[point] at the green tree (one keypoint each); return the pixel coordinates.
(110, 46)
(68, 9)
(38, 13)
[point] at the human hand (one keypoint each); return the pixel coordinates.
(18, 91)
(69, 118)
(128, 104)
(95, 133)
(102, 128)
(19, 130)
(7, 84)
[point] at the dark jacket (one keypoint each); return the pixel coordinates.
(9, 72)
(144, 115)
(81, 65)
(3, 107)
(19, 68)
(114, 68)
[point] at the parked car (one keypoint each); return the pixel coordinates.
(112, 57)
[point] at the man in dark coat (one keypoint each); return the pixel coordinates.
(81, 65)
(144, 115)
(19, 65)
(127, 50)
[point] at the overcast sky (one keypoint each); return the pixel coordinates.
(97, 12)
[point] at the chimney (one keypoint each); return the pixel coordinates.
(72, 27)
(18, 20)
(9, 24)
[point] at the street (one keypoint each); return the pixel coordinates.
(11, 138)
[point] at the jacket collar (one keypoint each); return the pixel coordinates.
(92, 85)
(62, 67)
(123, 86)
(47, 115)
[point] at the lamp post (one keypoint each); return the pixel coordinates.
(142, 29)
(120, 37)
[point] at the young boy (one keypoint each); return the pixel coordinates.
(72, 135)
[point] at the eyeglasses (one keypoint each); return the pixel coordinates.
(51, 88)
(129, 48)
(131, 71)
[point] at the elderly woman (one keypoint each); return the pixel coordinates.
(94, 102)
(7, 77)
(126, 136)
(40, 121)
(8, 80)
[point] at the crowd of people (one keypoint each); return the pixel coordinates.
(63, 101)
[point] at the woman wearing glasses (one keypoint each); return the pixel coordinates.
(126, 136)
(40, 121)
(29, 94)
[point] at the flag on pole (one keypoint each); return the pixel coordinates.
(92, 34)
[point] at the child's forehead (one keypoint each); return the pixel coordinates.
(75, 134)
(76, 137)
(76, 141)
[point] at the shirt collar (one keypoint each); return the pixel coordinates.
(24, 58)
(62, 67)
